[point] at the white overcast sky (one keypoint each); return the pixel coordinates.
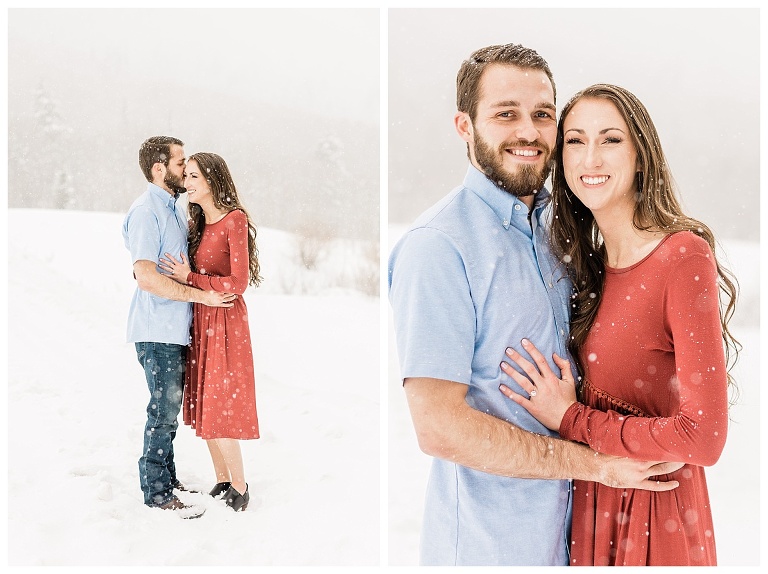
(317, 54)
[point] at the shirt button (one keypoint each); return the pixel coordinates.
(550, 285)
(517, 207)
(506, 222)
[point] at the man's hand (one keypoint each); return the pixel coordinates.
(215, 299)
(619, 472)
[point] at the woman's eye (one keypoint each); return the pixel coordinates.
(573, 141)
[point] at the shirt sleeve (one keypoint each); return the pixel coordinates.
(237, 243)
(433, 313)
(143, 235)
(696, 433)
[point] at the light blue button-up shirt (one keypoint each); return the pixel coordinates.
(154, 226)
(471, 277)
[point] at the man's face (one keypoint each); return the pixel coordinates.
(174, 173)
(515, 128)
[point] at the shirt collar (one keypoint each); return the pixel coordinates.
(168, 199)
(505, 205)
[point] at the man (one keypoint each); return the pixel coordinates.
(160, 314)
(473, 276)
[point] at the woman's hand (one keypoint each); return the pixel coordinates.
(549, 396)
(176, 270)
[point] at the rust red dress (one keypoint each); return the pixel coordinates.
(219, 386)
(655, 389)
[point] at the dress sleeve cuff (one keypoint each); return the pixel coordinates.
(567, 425)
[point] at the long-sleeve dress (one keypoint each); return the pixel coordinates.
(219, 389)
(655, 388)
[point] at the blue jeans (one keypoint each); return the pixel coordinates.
(164, 365)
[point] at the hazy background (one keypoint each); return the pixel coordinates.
(289, 98)
(696, 70)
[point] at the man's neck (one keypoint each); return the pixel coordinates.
(528, 201)
(164, 187)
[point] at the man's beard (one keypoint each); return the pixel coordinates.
(526, 181)
(174, 183)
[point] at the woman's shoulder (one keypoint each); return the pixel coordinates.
(688, 243)
(685, 251)
(236, 215)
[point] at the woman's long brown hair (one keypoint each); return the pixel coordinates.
(225, 197)
(577, 239)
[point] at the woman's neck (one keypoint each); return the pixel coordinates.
(624, 243)
(212, 213)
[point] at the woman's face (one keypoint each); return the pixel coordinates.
(599, 158)
(198, 188)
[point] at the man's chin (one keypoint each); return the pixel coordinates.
(519, 187)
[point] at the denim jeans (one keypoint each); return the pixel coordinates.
(164, 365)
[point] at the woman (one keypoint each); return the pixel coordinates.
(646, 331)
(219, 389)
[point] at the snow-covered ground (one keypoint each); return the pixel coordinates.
(734, 482)
(76, 400)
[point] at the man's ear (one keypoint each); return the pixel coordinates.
(463, 126)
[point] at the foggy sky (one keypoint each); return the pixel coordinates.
(696, 70)
(227, 50)
(288, 97)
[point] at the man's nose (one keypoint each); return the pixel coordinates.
(526, 131)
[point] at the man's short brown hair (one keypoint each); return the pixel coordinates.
(468, 78)
(156, 149)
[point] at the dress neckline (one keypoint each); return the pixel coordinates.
(220, 220)
(610, 269)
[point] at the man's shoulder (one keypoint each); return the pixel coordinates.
(147, 203)
(449, 213)
(443, 230)
(143, 211)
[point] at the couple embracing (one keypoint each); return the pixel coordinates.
(564, 354)
(189, 321)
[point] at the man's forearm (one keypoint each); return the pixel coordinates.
(165, 287)
(448, 428)
(480, 441)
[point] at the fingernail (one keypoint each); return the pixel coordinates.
(510, 351)
(526, 342)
